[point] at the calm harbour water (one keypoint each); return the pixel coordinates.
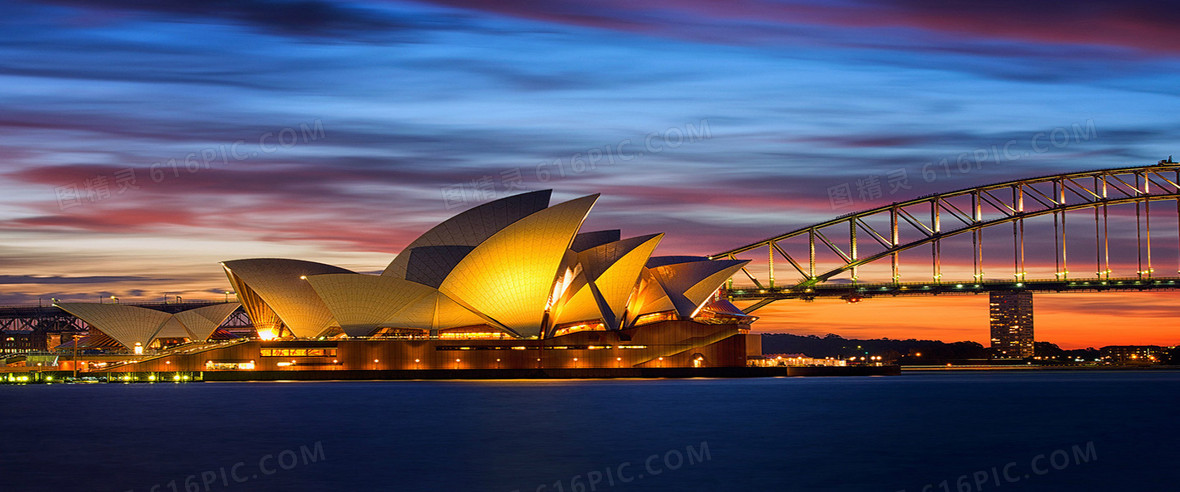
(1083, 430)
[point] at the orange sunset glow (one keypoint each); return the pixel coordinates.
(1069, 320)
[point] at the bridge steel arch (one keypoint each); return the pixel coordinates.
(933, 218)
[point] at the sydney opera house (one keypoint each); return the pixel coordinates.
(510, 284)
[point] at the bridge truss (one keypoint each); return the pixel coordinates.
(826, 259)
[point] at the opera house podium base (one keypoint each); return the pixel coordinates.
(674, 348)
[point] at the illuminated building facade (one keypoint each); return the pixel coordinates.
(1011, 324)
(510, 284)
(1135, 354)
(21, 341)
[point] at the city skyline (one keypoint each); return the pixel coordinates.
(339, 132)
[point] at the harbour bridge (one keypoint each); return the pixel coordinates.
(829, 259)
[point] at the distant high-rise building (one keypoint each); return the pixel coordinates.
(1012, 324)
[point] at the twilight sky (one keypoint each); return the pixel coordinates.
(140, 145)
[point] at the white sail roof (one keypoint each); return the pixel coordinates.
(127, 325)
(472, 227)
(203, 321)
(362, 304)
(280, 284)
(689, 281)
(612, 272)
(509, 277)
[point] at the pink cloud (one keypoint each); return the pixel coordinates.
(1143, 26)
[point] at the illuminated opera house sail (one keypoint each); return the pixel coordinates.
(513, 283)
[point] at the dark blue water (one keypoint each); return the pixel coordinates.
(1049, 431)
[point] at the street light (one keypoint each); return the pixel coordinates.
(74, 361)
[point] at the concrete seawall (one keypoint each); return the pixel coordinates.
(595, 373)
(470, 374)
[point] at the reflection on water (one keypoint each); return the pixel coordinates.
(882, 433)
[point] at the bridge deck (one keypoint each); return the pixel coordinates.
(852, 291)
